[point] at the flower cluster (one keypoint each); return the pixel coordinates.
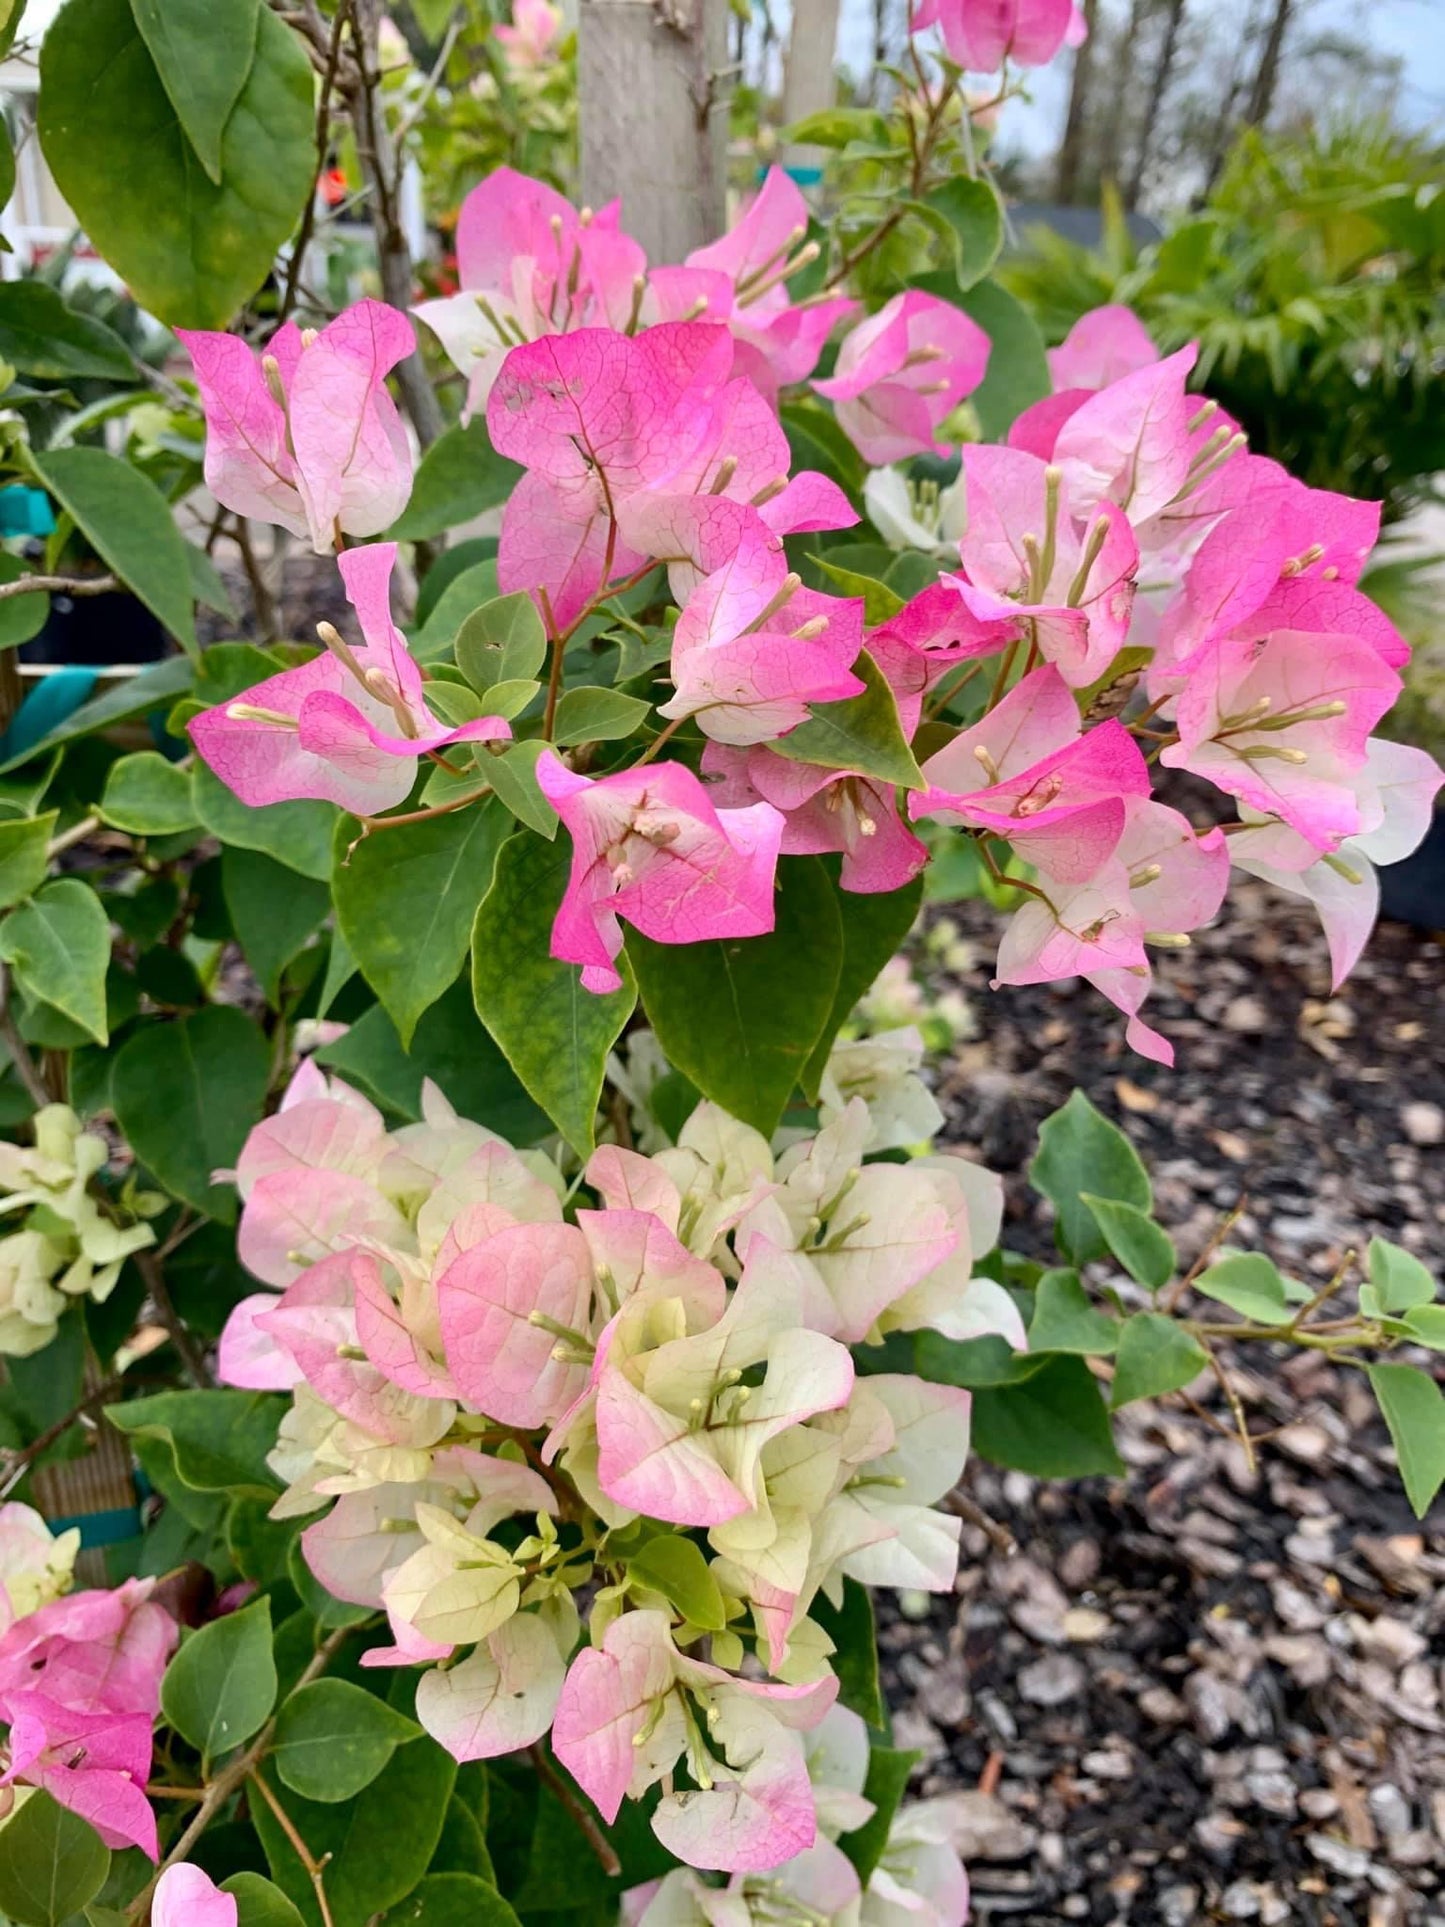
(512, 1402)
(80, 1680)
(70, 1245)
(1123, 533)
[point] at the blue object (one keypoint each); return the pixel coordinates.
(51, 703)
(26, 511)
(101, 1528)
(804, 176)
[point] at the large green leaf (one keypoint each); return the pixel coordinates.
(220, 1687)
(407, 898)
(888, 1774)
(453, 1900)
(1414, 1409)
(273, 910)
(1080, 1150)
(21, 616)
(52, 1863)
(333, 1738)
(203, 51)
(129, 523)
(855, 1659)
(874, 926)
(1253, 1285)
(452, 1047)
(553, 1033)
(259, 1903)
(147, 795)
(218, 1441)
(24, 855)
(860, 733)
(460, 476)
(191, 250)
(968, 214)
(376, 1847)
(741, 1016)
(1065, 1320)
(1143, 1248)
(297, 834)
(1156, 1355)
(41, 337)
(463, 596)
(185, 1096)
(503, 641)
(1052, 1424)
(58, 945)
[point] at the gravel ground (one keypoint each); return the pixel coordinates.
(1207, 1691)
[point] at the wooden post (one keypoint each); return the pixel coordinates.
(653, 87)
(809, 84)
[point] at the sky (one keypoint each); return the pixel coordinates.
(1414, 29)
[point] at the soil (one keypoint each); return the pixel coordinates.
(1208, 1690)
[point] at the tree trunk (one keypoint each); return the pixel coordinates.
(1266, 77)
(654, 118)
(809, 86)
(1158, 87)
(1111, 146)
(1071, 148)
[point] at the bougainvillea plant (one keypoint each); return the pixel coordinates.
(525, 1311)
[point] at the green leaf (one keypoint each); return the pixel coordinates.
(888, 1774)
(52, 1863)
(1080, 1150)
(208, 586)
(185, 1096)
(1156, 1355)
(880, 603)
(460, 476)
(7, 167)
(259, 1902)
(21, 616)
(1426, 1325)
(973, 1363)
(189, 249)
(406, 901)
(675, 1567)
(219, 1689)
(218, 1440)
(860, 733)
(855, 1660)
(58, 945)
(147, 795)
(816, 441)
(41, 337)
(1052, 1425)
(1142, 1247)
(512, 773)
(1065, 1320)
(597, 715)
(376, 1847)
(1018, 369)
(24, 847)
(1400, 1281)
(740, 1016)
(300, 835)
(453, 1900)
(203, 50)
(969, 213)
(124, 516)
(1250, 1284)
(553, 1033)
(503, 641)
(874, 924)
(333, 1738)
(838, 127)
(1414, 1409)
(273, 910)
(435, 639)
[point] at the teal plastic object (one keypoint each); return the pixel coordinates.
(26, 511)
(51, 703)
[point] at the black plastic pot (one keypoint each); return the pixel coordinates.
(1413, 891)
(97, 632)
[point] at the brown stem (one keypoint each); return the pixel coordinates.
(74, 585)
(26, 1068)
(316, 1869)
(262, 600)
(422, 816)
(998, 1536)
(662, 736)
(323, 142)
(586, 1825)
(192, 1355)
(19, 1463)
(1216, 1239)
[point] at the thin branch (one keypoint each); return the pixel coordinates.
(26, 1068)
(193, 1356)
(323, 143)
(77, 833)
(75, 585)
(998, 1536)
(586, 1825)
(262, 600)
(19, 1463)
(316, 1869)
